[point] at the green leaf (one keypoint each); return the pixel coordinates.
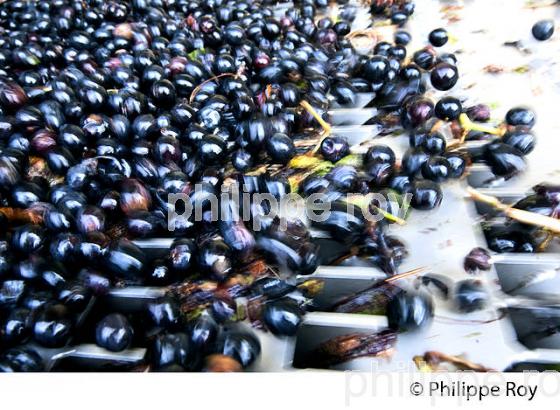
(522, 69)
(193, 55)
(354, 160)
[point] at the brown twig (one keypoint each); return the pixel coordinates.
(406, 274)
(327, 129)
(436, 127)
(433, 358)
(199, 87)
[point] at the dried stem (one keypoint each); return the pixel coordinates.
(311, 142)
(199, 87)
(362, 202)
(389, 216)
(468, 125)
(520, 215)
(437, 125)
(431, 359)
(406, 274)
(327, 129)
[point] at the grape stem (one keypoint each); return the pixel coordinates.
(406, 274)
(199, 87)
(468, 125)
(361, 201)
(327, 129)
(430, 360)
(530, 218)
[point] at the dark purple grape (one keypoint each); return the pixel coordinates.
(53, 326)
(242, 160)
(479, 112)
(413, 160)
(334, 148)
(448, 58)
(75, 297)
(448, 109)
(477, 259)
(521, 116)
(301, 259)
(521, 139)
(16, 328)
(376, 69)
(211, 150)
(144, 224)
(9, 174)
(223, 309)
(26, 194)
(240, 345)
(408, 310)
(457, 164)
(271, 287)
(94, 281)
(470, 295)
(426, 195)
(280, 148)
(400, 183)
(21, 360)
(214, 258)
(434, 143)
(173, 349)
(503, 159)
(510, 239)
(396, 55)
(12, 96)
(399, 18)
(181, 256)
(283, 316)
(167, 149)
(204, 331)
(344, 92)
(29, 117)
(134, 196)
(11, 292)
(380, 153)
(164, 312)
(410, 72)
(424, 58)
(114, 332)
(90, 219)
(125, 260)
(28, 238)
(416, 112)
(436, 169)
(233, 229)
(380, 172)
(438, 37)
(345, 222)
(543, 30)
(343, 177)
(402, 37)
(444, 76)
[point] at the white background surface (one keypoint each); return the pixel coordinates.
(484, 26)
